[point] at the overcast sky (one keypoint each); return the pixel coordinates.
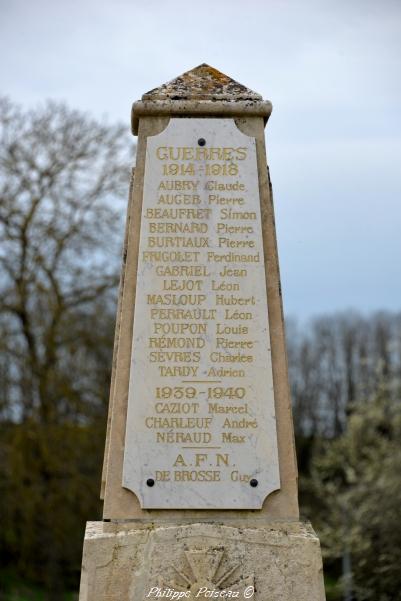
(332, 71)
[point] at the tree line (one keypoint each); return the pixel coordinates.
(345, 376)
(64, 180)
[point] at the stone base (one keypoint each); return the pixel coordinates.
(276, 561)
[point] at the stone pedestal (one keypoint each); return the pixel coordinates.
(264, 561)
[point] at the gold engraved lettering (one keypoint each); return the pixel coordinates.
(197, 476)
(225, 286)
(181, 423)
(221, 459)
(228, 344)
(177, 299)
(183, 285)
(177, 256)
(236, 273)
(162, 153)
(178, 371)
(187, 271)
(232, 257)
(179, 199)
(190, 153)
(183, 437)
(217, 408)
(217, 357)
(179, 461)
(162, 475)
(216, 199)
(229, 437)
(200, 458)
(229, 243)
(184, 328)
(185, 314)
(201, 261)
(174, 356)
(178, 342)
(230, 214)
(237, 477)
(240, 423)
(234, 300)
(221, 328)
(237, 315)
(157, 213)
(178, 242)
(174, 184)
(163, 227)
(224, 228)
(229, 372)
(177, 408)
(221, 187)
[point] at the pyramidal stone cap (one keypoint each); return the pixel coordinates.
(202, 83)
(203, 91)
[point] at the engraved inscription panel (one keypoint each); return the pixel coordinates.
(201, 430)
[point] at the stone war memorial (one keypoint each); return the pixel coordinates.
(200, 477)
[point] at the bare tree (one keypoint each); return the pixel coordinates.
(63, 189)
(337, 361)
(61, 177)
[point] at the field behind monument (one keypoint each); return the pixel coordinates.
(63, 183)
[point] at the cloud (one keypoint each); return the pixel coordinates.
(331, 70)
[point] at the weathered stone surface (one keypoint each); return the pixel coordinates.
(202, 83)
(201, 413)
(120, 503)
(277, 561)
(265, 553)
(201, 91)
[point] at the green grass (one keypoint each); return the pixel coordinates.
(24, 593)
(333, 589)
(12, 589)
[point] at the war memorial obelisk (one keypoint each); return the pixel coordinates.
(200, 476)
